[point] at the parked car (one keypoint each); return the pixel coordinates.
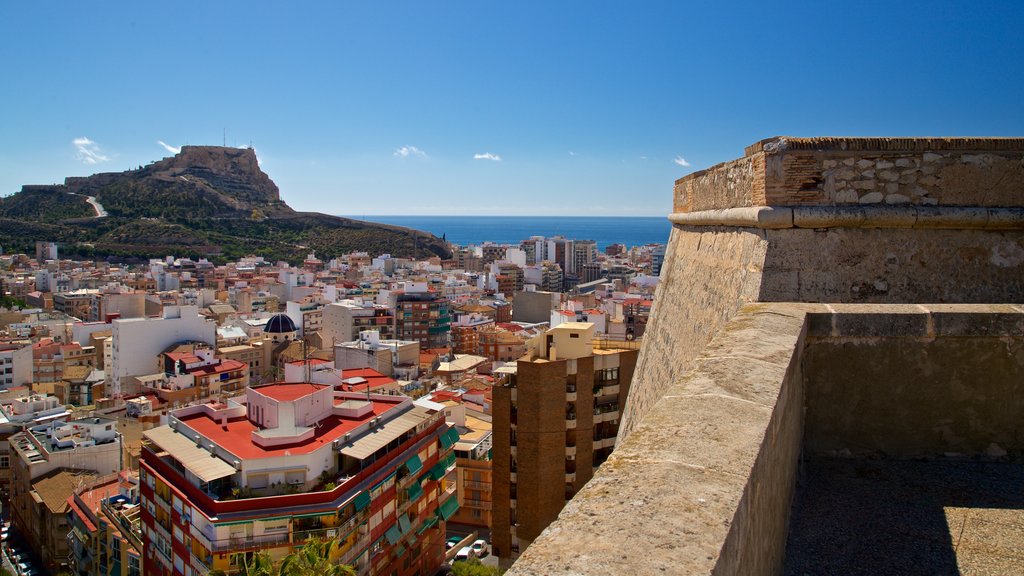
(452, 541)
(465, 554)
(479, 548)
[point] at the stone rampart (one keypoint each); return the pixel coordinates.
(704, 484)
(702, 475)
(756, 230)
(850, 171)
(915, 381)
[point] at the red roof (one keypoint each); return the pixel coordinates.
(223, 366)
(237, 437)
(186, 357)
(374, 379)
(311, 361)
(287, 392)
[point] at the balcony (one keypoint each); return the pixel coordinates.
(570, 476)
(480, 504)
(604, 443)
(477, 485)
(571, 450)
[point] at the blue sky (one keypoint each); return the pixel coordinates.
(583, 108)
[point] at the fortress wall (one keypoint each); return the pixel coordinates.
(702, 476)
(916, 381)
(714, 271)
(704, 484)
(861, 171)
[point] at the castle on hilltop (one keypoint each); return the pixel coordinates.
(832, 379)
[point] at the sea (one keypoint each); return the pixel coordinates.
(605, 230)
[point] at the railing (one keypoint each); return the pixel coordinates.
(477, 485)
(481, 504)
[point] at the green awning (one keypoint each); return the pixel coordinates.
(449, 460)
(399, 551)
(403, 523)
(393, 535)
(449, 438)
(438, 471)
(414, 491)
(447, 509)
(414, 464)
(427, 525)
(362, 501)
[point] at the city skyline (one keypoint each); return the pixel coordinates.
(527, 109)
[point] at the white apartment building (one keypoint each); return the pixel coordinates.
(138, 342)
(15, 365)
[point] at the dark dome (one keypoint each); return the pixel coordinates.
(279, 324)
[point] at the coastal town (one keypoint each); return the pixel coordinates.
(186, 416)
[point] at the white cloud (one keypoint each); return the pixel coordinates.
(487, 156)
(406, 151)
(89, 152)
(168, 147)
(681, 161)
(571, 153)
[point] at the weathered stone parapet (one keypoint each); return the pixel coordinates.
(704, 483)
(922, 217)
(787, 171)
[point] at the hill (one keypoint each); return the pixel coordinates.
(208, 201)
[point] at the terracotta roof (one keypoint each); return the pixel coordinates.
(55, 488)
(374, 379)
(186, 357)
(223, 366)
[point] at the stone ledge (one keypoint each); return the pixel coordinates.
(716, 433)
(883, 144)
(910, 216)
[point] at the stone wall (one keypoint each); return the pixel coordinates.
(849, 171)
(702, 475)
(916, 381)
(712, 274)
(768, 227)
(704, 484)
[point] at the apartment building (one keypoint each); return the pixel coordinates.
(138, 342)
(555, 420)
(105, 535)
(48, 462)
(421, 314)
(293, 461)
(15, 364)
(343, 321)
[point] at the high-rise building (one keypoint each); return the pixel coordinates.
(554, 421)
(422, 315)
(373, 473)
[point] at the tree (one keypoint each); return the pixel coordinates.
(473, 567)
(314, 558)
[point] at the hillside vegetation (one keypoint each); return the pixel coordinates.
(204, 201)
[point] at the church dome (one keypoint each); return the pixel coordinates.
(279, 324)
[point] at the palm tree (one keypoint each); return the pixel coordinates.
(314, 558)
